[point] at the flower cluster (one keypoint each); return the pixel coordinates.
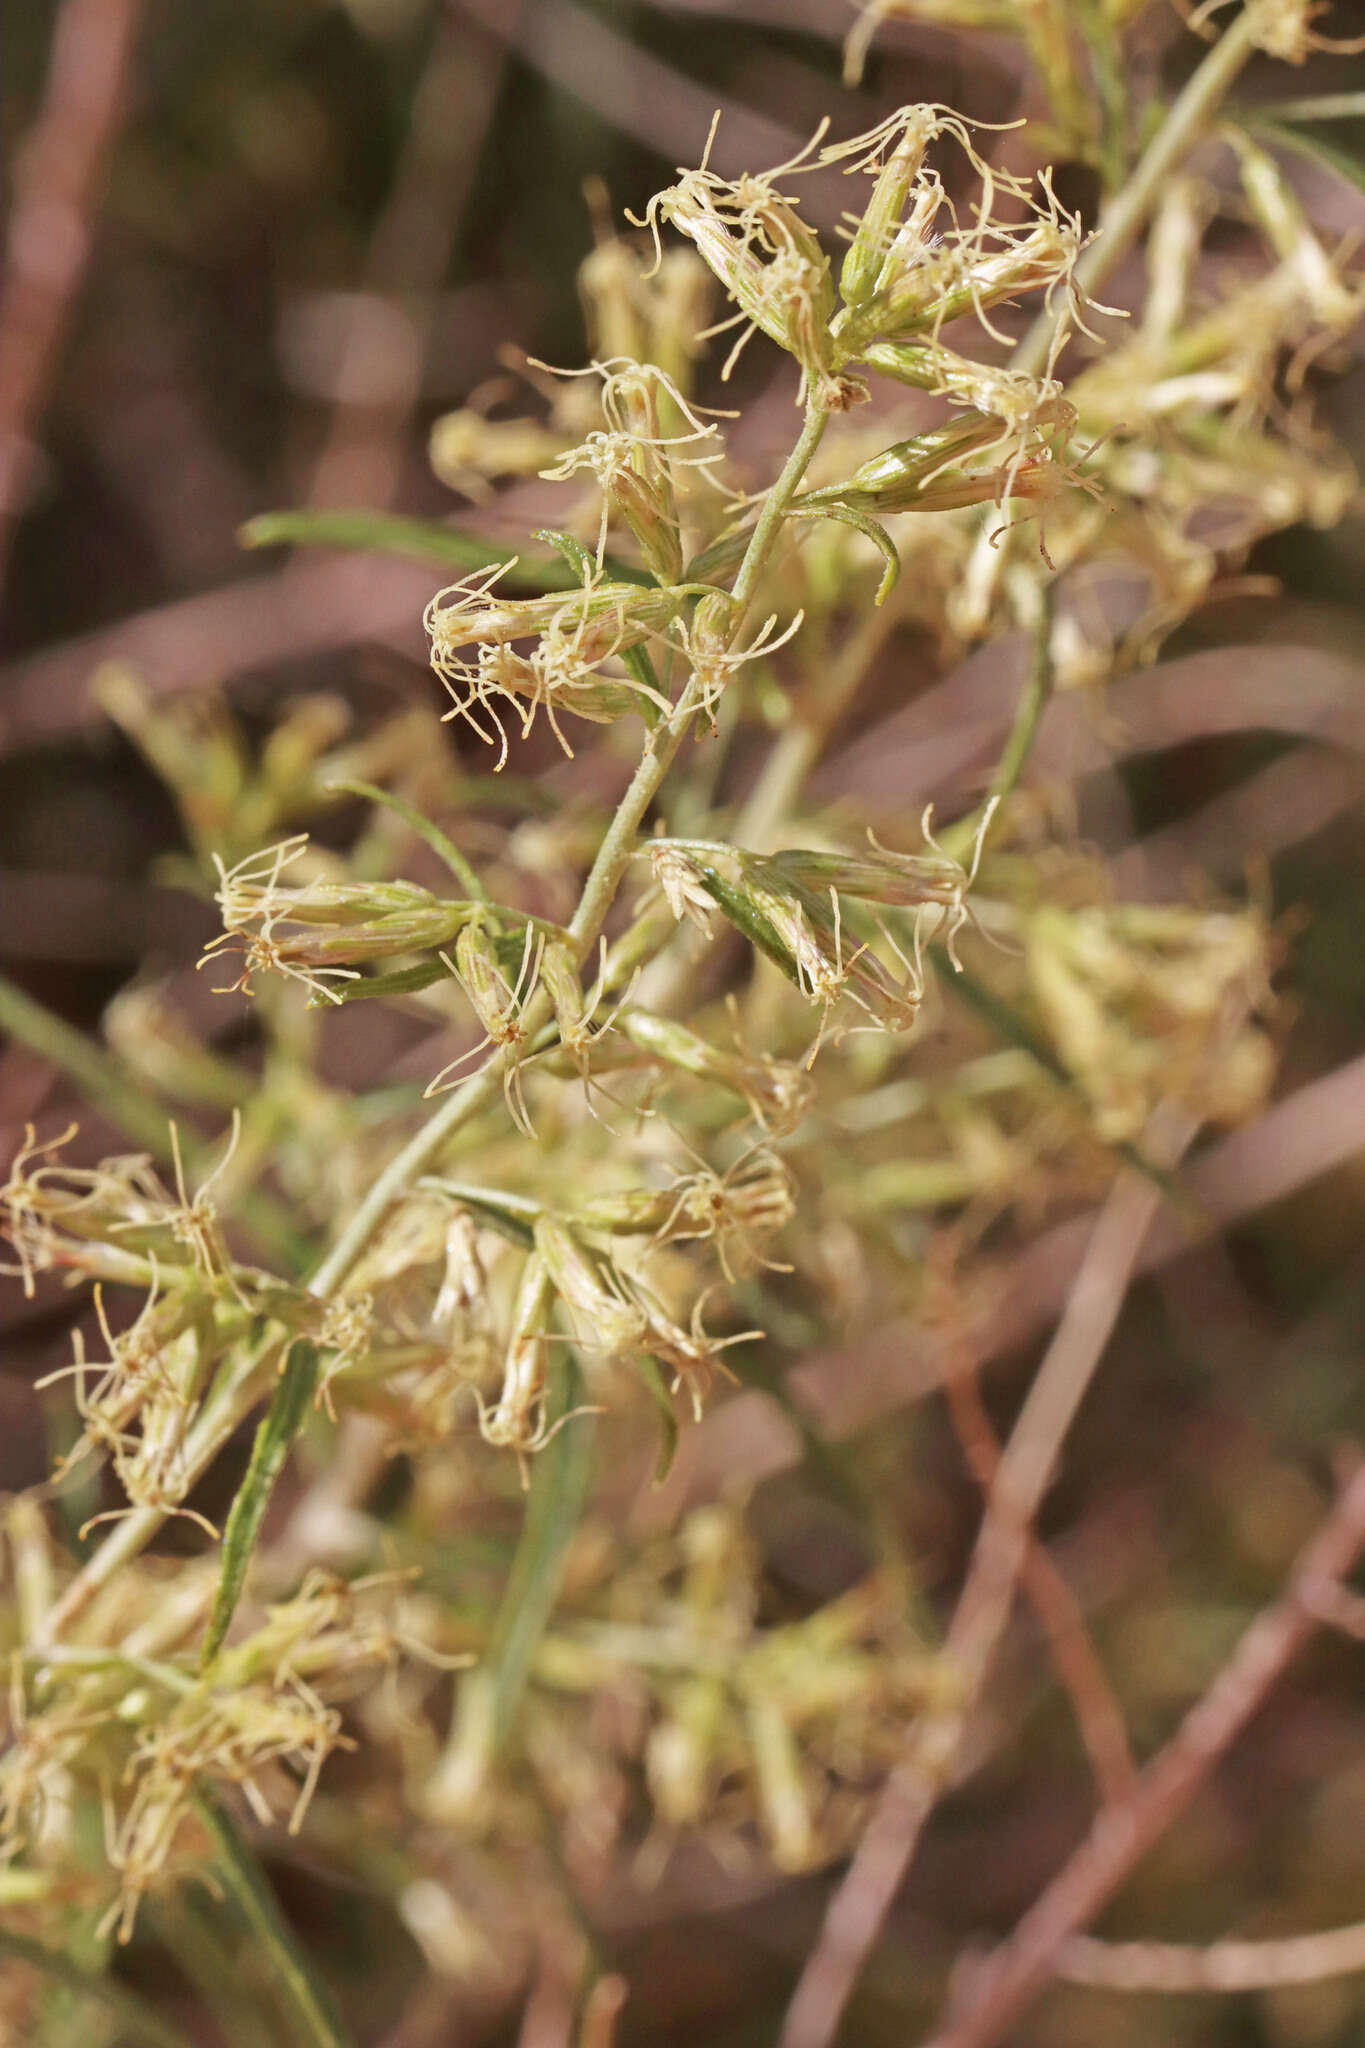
(484, 1287)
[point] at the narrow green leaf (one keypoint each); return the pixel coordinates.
(582, 561)
(657, 1387)
(434, 837)
(513, 1215)
(391, 534)
(404, 981)
(138, 2020)
(1321, 106)
(874, 531)
(278, 1428)
(750, 922)
(304, 2000)
(639, 666)
(558, 1491)
(1311, 142)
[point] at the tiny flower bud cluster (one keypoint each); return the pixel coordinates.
(573, 636)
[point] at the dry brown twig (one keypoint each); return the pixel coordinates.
(1009, 1980)
(626, 85)
(860, 1906)
(1168, 1966)
(1098, 1716)
(57, 186)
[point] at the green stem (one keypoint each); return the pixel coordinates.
(1323, 106)
(1033, 702)
(599, 891)
(220, 1417)
(303, 1997)
(776, 504)
(1122, 221)
(416, 1156)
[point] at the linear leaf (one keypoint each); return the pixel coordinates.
(559, 1485)
(390, 533)
(513, 1215)
(657, 1388)
(871, 529)
(1311, 142)
(304, 1999)
(581, 561)
(426, 540)
(404, 981)
(275, 1434)
(434, 837)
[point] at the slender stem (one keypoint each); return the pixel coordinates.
(1122, 220)
(1033, 702)
(1323, 106)
(775, 506)
(1223, 1966)
(415, 1157)
(303, 1997)
(217, 1421)
(1007, 1981)
(858, 1910)
(599, 890)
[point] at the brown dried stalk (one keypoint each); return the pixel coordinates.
(51, 223)
(860, 1906)
(1010, 1979)
(1098, 1716)
(1169, 1966)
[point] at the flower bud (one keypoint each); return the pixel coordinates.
(908, 476)
(604, 1310)
(644, 490)
(324, 929)
(769, 262)
(881, 222)
(679, 875)
(607, 616)
(778, 1094)
(576, 634)
(466, 450)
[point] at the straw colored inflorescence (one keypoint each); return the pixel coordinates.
(697, 1075)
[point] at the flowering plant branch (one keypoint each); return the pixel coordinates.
(687, 1078)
